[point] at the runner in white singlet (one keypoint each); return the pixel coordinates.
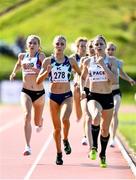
(32, 94)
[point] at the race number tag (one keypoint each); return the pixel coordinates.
(59, 74)
(28, 64)
(96, 73)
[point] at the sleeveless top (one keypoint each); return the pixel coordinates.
(60, 72)
(96, 72)
(29, 62)
(77, 57)
(119, 64)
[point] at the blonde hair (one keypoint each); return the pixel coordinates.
(59, 37)
(30, 37)
(101, 37)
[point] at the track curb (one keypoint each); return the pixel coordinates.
(126, 154)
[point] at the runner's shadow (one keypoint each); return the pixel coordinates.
(119, 167)
(88, 165)
(80, 165)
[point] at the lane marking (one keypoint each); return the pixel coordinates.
(44, 148)
(10, 125)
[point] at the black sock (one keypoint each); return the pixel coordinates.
(104, 142)
(95, 133)
(59, 155)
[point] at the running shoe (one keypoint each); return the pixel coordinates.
(103, 163)
(59, 160)
(84, 141)
(67, 147)
(93, 154)
(112, 143)
(40, 127)
(27, 151)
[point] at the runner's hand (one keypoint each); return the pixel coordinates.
(12, 76)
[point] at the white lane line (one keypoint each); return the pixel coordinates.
(10, 125)
(47, 142)
(126, 156)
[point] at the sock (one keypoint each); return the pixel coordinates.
(95, 133)
(59, 155)
(104, 142)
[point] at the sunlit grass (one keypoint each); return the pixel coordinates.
(6, 65)
(127, 127)
(4, 4)
(48, 18)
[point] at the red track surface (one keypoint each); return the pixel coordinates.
(41, 164)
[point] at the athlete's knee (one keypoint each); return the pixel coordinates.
(115, 113)
(96, 119)
(76, 91)
(67, 114)
(104, 131)
(66, 121)
(27, 117)
(57, 130)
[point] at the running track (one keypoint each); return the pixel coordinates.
(41, 164)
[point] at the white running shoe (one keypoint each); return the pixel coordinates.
(112, 143)
(84, 141)
(27, 151)
(39, 128)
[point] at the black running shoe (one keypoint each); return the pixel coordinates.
(67, 147)
(59, 160)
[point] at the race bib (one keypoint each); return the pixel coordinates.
(59, 74)
(96, 73)
(28, 64)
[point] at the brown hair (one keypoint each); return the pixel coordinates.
(80, 39)
(90, 42)
(111, 44)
